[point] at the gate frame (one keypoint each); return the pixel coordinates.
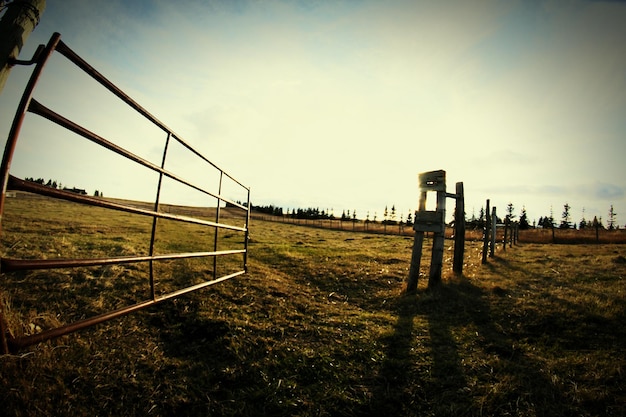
(8, 343)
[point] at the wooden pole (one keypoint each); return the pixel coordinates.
(18, 22)
(16, 25)
(486, 230)
(416, 255)
(436, 260)
(494, 224)
(459, 230)
(506, 235)
(416, 260)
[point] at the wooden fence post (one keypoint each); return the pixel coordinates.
(416, 255)
(429, 221)
(436, 259)
(494, 224)
(459, 230)
(16, 25)
(416, 260)
(486, 230)
(506, 235)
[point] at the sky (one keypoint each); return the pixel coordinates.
(339, 105)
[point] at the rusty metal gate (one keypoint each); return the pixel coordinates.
(155, 211)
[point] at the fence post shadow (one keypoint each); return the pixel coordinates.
(441, 380)
(445, 383)
(390, 393)
(448, 376)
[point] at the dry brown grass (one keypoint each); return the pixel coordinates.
(320, 326)
(572, 236)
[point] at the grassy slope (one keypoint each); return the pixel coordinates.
(320, 327)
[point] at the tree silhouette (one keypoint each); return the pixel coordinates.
(409, 219)
(565, 217)
(523, 220)
(612, 221)
(509, 211)
(583, 223)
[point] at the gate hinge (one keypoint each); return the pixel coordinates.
(33, 60)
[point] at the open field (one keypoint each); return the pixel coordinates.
(560, 236)
(320, 326)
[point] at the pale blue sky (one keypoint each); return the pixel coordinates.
(340, 104)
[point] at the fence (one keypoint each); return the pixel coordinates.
(588, 235)
(155, 211)
(356, 225)
(509, 234)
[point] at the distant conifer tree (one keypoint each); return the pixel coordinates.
(523, 220)
(612, 221)
(565, 218)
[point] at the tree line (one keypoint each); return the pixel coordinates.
(549, 222)
(390, 216)
(59, 186)
(566, 222)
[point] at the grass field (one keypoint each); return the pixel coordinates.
(560, 236)
(320, 326)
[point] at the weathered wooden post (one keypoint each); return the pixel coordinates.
(16, 25)
(486, 231)
(436, 258)
(507, 222)
(459, 230)
(416, 255)
(494, 224)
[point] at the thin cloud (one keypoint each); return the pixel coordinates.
(344, 103)
(609, 192)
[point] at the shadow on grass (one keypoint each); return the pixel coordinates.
(199, 373)
(575, 323)
(442, 373)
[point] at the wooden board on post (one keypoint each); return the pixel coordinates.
(428, 221)
(432, 181)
